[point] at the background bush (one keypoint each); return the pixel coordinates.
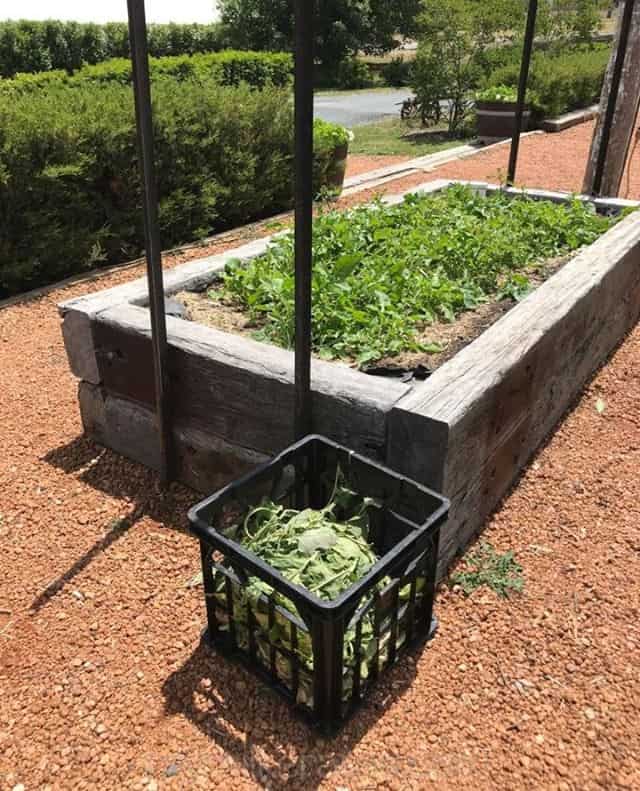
(230, 68)
(561, 81)
(69, 181)
(27, 46)
(397, 72)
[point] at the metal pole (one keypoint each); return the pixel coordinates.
(623, 41)
(527, 48)
(304, 13)
(142, 94)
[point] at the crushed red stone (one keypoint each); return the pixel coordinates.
(103, 682)
(359, 163)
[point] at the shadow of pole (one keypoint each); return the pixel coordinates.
(118, 529)
(122, 479)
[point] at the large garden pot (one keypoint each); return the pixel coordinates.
(337, 167)
(497, 120)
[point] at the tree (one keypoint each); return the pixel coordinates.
(462, 40)
(343, 27)
(454, 41)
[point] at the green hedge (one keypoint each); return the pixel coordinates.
(69, 180)
(560, 82)
(231, 68)
(30, 47)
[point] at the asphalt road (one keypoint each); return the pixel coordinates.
(359, 107)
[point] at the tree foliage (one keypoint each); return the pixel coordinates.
(461, 41)
(30, 47)
(343, 27)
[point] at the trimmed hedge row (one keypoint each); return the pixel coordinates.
(27, 46)
(560, 82)
(69, 181)
(231, 68)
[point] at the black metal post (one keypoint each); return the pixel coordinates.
(304, 25)
(142, 93)
(527, 49)
(621, 53)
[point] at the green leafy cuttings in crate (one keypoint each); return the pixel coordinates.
(325, 551)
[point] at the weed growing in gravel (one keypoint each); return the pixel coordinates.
(383, 273)
(485, 566)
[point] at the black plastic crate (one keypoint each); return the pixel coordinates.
(353, 638)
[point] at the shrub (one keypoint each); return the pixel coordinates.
(229, 68)
(397, 72)
(30, 47)
(346, 75)
(70, 186)
(560, 82)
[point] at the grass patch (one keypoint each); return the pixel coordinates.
(485, 567)
(394, 136)
(382, 273)
(345, 91)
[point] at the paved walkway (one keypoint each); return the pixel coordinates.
(103, 683)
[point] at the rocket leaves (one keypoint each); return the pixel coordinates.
(382, 274)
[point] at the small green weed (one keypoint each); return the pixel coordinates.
(500, 572)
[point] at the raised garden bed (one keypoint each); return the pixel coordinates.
(467, 431)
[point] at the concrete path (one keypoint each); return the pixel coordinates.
(360, 107)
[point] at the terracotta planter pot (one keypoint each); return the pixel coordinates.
(497, 120)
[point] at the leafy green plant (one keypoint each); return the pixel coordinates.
(515, 286)
(69, 180)
(383, 273)
(485, 567)
(325, 551)
(498, 93)
(327, 136)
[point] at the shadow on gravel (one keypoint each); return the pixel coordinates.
(124, 480)
(259, 730)
(117, 529)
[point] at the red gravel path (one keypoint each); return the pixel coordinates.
(554, 161)
(102, 682)
(359, 163)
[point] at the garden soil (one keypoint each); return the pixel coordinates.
(104, 684)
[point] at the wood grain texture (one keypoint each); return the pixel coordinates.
(77, 335)
(238, 389)
(625, 116)
(493, 404)
(203, 462)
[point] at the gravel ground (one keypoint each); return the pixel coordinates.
(102, 680)
(361, 163)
